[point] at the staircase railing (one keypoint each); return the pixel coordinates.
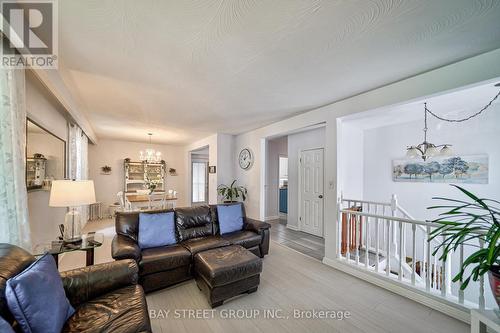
(389, 242)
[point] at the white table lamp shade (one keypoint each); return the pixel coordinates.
(71, 193)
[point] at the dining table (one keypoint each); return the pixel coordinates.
(152, 200)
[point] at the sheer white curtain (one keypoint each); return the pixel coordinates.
(14, 224)
(78, 160)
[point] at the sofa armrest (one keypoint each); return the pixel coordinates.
(255, 225)
(123, 247)
(84, 284)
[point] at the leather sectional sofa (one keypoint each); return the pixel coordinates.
(106, 297)
(197, 230)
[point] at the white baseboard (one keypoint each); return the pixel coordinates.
(442, 305)
(269, 218)
(292, 227)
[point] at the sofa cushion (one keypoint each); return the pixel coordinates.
(13, 260)
(196, 245)
(127, 223)
(123, 310)
(193, 222)
(37, 293)
(225, 265)
(156, 230)
(230, 218)
(5, 326)
(159, 259)
(247, 239)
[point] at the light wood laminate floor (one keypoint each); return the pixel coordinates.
(290, 281)
(302, 242)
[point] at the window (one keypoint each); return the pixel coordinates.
(199, 182)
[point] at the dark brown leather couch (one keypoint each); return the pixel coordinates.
(106, 297)
(197, 230)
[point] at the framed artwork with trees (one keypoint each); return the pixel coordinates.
(470, 169)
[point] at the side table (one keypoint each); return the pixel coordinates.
(89, 243)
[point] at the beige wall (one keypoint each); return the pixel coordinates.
(113, 152)
(43, 108)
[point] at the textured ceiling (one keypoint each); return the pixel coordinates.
(185, 69)
(452, 105)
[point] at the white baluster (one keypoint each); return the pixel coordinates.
(429, 270)
(435, 272)
(460, 291)
(367, 240)
(377, 245)
(356, 235)
(339, 224)
(481, 280)
(444, 283)
(414, 252)
(388, 248)
(400, 270)
(348, 224)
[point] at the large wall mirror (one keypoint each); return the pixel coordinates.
(45, 157)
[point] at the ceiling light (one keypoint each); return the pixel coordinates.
(426, 149)
(150, 155)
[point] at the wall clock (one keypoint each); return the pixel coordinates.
(245, 159)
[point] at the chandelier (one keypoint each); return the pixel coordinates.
(150, 155)
(426, 149)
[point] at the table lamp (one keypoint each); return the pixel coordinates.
(71, 194)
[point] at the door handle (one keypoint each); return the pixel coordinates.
(320, 196)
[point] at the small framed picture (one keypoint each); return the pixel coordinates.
(212, 169)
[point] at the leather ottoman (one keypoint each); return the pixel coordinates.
(226, 272)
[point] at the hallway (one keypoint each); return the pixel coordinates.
(302, 242)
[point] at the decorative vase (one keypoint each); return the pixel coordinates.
(494, 277)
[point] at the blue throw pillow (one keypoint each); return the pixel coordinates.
(230, 218)
(5, 326)
(156, 230)
(36, 297)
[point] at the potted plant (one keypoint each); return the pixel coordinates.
(232, 192)
(466, 221)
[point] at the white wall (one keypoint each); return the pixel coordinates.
(296, 143)
(211, 143)
(225, 158)
(351, 158)
(276, 148)
(476, 136)
(43, 108)
(221, 155)
(113, 152)
(467, 72)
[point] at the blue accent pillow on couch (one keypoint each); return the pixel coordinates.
(36, 297)
(156, 230)
(230, 218)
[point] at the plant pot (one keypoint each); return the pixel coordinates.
(229, 201)
(494, 277)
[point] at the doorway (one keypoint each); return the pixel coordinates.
(283, 187)
(199, 177)
(311, 207)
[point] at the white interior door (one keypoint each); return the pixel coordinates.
(311, 191)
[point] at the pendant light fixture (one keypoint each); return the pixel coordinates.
(426, 150)
(150, 155)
